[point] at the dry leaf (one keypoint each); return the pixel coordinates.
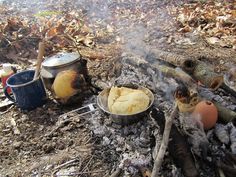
(213, 40)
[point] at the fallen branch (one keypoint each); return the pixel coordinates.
(164, 143)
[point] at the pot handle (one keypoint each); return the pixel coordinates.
(7, 94)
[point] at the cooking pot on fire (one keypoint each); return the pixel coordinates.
(102, 102)
(51, 66)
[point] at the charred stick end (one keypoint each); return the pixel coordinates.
(216, 82)
(189, 65)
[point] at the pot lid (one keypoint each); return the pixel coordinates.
(60, 59)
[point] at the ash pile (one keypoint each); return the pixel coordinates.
(131, 149)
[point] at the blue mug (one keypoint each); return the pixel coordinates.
(28, 93)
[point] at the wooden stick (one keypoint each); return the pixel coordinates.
(82, 173)
(39, 59)
(116, 173)
(164, 143)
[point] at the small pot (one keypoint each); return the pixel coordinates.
(60, 62)
(102, 102)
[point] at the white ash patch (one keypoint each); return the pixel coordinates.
(133, 144)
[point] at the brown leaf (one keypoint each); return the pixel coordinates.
(55, 31)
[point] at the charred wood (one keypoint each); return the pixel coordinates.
(178, 147)
(164, 142)
(205, 74)
(225, 115)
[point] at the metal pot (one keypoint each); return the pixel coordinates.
(102, 102)
(60, 62)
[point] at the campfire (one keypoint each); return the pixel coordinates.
(104, 89)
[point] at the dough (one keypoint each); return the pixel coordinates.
(127, 101)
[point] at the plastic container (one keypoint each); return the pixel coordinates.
(5, 73)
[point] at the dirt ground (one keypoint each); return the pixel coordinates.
(38, 143)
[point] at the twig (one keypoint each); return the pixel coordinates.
(221, 173)
(164, 143)
(87, 164)
(116, 173)
(63, 165)
(66, 163)
(4, 112)
(61, 124)
(14, 127)
(81, 173)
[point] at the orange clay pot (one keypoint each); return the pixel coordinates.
(208, 114)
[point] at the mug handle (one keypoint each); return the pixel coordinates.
(7, 94)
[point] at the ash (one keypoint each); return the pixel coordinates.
(131, 147)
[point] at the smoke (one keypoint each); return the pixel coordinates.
(140, 24)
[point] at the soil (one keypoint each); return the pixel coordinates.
(40, 142)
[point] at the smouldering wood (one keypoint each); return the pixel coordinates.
(164, 143)
(225, 115)
(205, 74)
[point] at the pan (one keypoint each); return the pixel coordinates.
(122, 119)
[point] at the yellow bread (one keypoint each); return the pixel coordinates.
(127, 101)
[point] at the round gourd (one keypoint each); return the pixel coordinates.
(208, 114)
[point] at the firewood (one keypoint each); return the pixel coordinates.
(229, 90)
(178, 148)
(225, 115)
(176, 73)
(205, 74)
(200, 71)
(168, 71)
(164, 143)
(169, 57)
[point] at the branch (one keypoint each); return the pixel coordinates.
(164, 143)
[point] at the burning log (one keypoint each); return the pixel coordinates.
(174, 59)
(177, 146)
(207, 76)
(176, 73)
(200, 71)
